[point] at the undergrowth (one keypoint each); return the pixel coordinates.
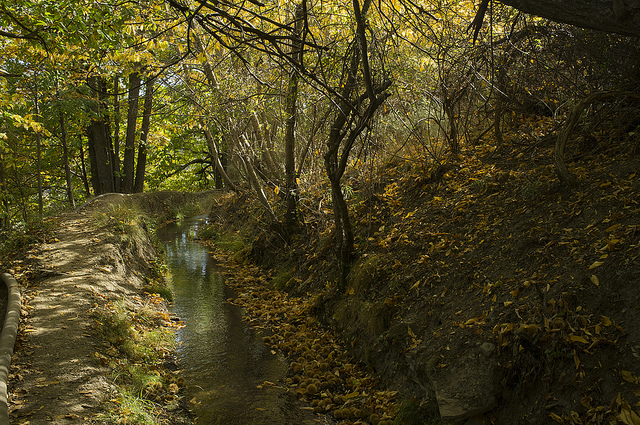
(138, 338)
(25, 235)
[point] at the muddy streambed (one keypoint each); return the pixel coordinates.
(225, 363)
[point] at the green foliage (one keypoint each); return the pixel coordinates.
(20, 238)
(161, 289)
(531, 190)
(129, 409)
(281, 278)
(223, 239)
(135, 348)
(124, 328)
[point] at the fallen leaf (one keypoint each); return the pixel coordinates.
(577, 338)
(628, 376)
(556, 418)
(596, 264)
(629, 417)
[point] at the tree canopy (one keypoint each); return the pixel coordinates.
(277, 98)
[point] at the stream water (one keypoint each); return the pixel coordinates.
(224, 361)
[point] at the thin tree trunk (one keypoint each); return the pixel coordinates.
(65, 160)
(500, 101)
(117, 177)
(211, 143)
(144, 136)
(83, 172)
(452, 137)
(274, 170)
(291, 195)
(253, 180)
(65, 149)
(4, 194)
(129, 147)
(215, 155)
(317, 124)
(38, 149)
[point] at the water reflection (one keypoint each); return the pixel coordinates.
(224, 362)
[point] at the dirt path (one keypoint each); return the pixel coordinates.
(55, 376)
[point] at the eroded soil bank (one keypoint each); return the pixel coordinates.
(487, 293)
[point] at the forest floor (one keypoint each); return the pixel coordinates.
(483, 290)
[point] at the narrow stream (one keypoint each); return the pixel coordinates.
(223, 360)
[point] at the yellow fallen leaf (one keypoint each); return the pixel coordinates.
(556, 418)
(629, 417)
(530, 329)
(577, 338)
(612, 228)
(410, 214)
(606, 321)
(596, 264)
(576, 359)
(628, 376)
(595, 280)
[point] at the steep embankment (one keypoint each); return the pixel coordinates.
(93, 347)
(483, 289)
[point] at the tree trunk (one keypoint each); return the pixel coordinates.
(215, 156)
(65, 160)
(253, 180)
(101, 177)
(619, 16)
(117, 177)
(83, 172)
(65, 149)
(38, 148)
(452, 136)
(275, 172)
(144, 136)
(130, 145)
(291, 195)
(353, 115)
(565, 176)
(99, 149)
(500, 90)
(4, 194)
